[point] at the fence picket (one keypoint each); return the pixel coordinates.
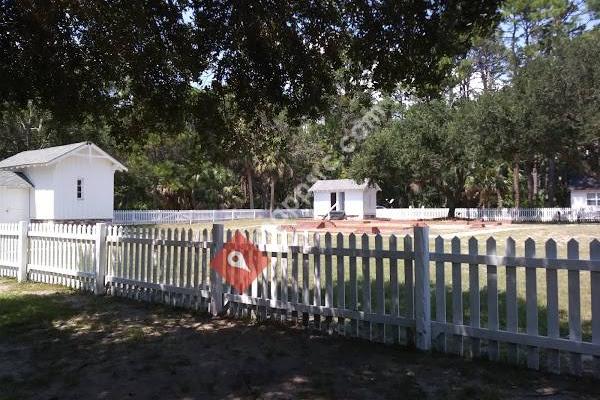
(379, 287)
(305, 280)
(552, 356)
(595, 294)
(394, 288)
(294, 295)
(263, 286)
(474, 297)
(492, 288)
(440, 295)
(168, 263)
(353, 298)
(409, 286)
(284, 281)
(531, 310)
(366, 287)
(512, 306)
(457, 302)
(328, 276)
(317, 299)
(574, 306)
(341, 283)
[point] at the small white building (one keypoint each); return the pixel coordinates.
(63, 183)
(585, 192)
(356, 200)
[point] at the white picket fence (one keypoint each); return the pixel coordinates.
(441, 295)
(9, 245)
(139, 217)
(150, 217)
(591, 214)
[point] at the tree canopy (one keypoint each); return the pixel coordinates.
(241, 104)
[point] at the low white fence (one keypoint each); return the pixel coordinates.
(591, 214)
(139, 217)
(501, 304)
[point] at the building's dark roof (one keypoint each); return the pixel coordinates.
(585, 182)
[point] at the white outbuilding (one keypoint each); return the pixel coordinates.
(64, 183)
(585, 192)
(355, 200)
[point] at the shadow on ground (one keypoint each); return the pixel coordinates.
(69, 346)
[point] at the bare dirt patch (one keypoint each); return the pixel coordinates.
(107, 348)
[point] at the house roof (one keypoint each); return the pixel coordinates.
(47, 156)
(336, 185)
(585, 182)
(14, 180)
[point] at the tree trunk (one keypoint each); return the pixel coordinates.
(516, 184)
(530, 184)
(536, 179)
(499, 198)
(250, 188)
(551, 181)
(272, 201)
(451, 210)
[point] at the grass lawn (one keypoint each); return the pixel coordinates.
(55, 343)
(249, 224)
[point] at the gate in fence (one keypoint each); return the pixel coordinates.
(540, 308)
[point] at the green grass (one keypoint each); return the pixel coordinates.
(235, 224)
(21, 306)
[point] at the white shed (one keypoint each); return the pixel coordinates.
(356, 200)
(585, 192)
(63, 183)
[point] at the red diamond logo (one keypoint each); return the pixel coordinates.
(239, 262)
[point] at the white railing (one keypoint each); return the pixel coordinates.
(591, 214)
(369, 286)
(139, 217)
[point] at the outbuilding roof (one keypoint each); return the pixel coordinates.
(585, 182)
(48, 155)
(11, 179)
(336, 185)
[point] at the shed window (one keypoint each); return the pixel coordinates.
(593, 199)
(79, 189)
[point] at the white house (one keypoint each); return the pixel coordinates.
(63, 183)
(585, 192)
(356, 200)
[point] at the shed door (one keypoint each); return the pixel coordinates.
(14, 204)
(342, 201)
(333, 198)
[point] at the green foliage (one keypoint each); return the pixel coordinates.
(284, 82)
(77, 58)
(176, 173)
(427, 155)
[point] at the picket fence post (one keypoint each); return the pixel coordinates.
(22, 251)
(100, 258)
(216, 282)
(422, 293)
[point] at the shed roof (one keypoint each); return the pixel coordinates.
(46, 156)
(13, 180)
(336, 185)
(585, 182)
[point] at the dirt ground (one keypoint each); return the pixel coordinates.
(57, 344)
